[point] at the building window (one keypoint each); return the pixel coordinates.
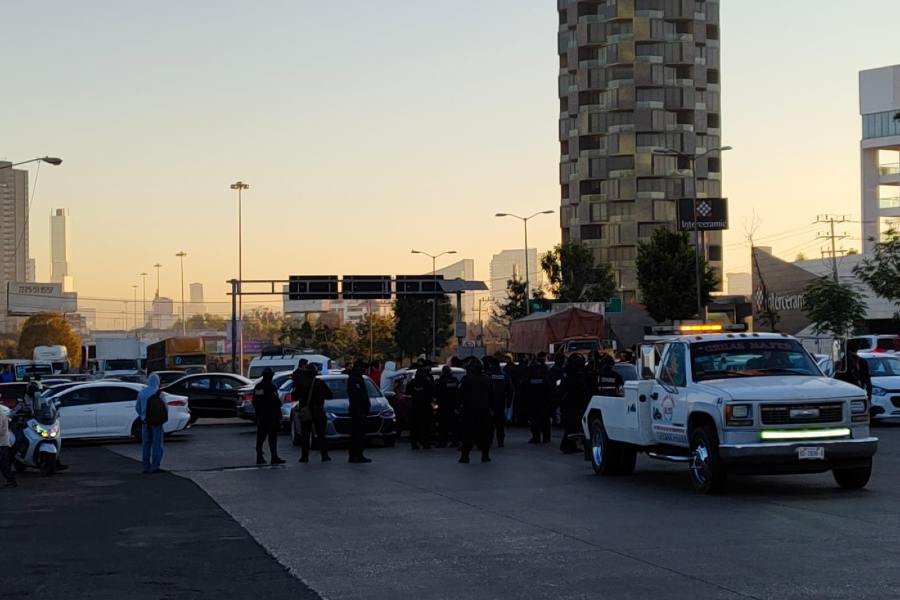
(592, 232)
(881, 124)
(714, 252)
(664, 210)
(712, 120)
(598, 212)
(712, 76)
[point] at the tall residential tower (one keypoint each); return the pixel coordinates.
(13, 234)
(636, 77)
(59, 249)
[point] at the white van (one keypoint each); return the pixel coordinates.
(286, 362)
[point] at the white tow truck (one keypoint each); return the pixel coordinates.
(732, 403)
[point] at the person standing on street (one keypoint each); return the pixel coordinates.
(856, 372)
(311, 394)
(421, 393)
(538, 395)
(268, 418)
(609, 383)
(574, 397)
(476, 418)
(446, 391)
(500, 390)
(6, 452)
(359, 410)
(153, 413)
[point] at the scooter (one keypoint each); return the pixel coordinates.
(37, 439)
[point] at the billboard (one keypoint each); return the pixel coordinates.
(24, 298)
(711, 214)
(366, 287)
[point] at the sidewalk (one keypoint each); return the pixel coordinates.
(103, 530)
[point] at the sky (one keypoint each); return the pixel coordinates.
(367, 128)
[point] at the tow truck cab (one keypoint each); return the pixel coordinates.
(732, 403)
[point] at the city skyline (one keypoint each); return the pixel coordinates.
(435, 150)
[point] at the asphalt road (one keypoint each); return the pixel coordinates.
(537, 524)
(102, 530)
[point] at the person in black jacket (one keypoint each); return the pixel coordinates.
(421, 393)
(359, 410)
(537, 394)
(856, 372)
(500, 388)
(475, 415)
(609, 383)
(267, 407)
(311, 391)
(446, 391)
(574, 397)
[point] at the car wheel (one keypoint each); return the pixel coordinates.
(295, 435)
(603, 451)
(136, 431)
(855, 478)
(389, 441)
(707, 472)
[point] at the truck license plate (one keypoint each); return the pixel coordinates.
(811, 453)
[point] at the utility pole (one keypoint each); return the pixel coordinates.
(143, 300)
(831, 220)
(157, 266)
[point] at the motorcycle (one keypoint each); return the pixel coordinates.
(35, 438)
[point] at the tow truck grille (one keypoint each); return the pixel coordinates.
(793, 414)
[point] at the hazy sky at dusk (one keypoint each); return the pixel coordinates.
(366, 128)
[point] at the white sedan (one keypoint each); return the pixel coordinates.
(884, 369)
(105, 409)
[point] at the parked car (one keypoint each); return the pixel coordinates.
(381, 422)
(210, 395)
(884, 369)
(286, 362)
(873, 343)
(105, 409)
(169, 377)
(245, 396)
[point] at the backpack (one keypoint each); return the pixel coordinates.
(156, 413)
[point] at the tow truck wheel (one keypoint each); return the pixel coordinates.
(604, 454)
(707, 471)
(855, 478)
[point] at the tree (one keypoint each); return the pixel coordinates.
(515, 305)
(383, 347)
(574, 275)
(298, 335)
(262, 324)
(881, 272)
(667, 278)
(204, 322)
(412, 325)
(833, 307)
(49, 329)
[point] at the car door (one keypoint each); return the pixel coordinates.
(116, 411)
(201, 394)
(227, 392)
(669, 397)
(78, 413)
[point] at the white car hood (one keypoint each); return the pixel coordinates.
(782, 387)
(890, 383)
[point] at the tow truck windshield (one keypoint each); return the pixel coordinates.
(750, 358)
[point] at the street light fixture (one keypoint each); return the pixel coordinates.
(143, 277)
(240, 186)
(698, 246)
(50, 160)
(134, 289)
(181, 256)
(434, 258)
(527, 274)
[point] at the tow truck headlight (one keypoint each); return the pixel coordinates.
(739, 415)
(858, 407)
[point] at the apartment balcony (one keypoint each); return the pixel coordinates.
(890, 202)
(888, 170)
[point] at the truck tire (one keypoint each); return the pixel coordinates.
(707, 471)
(604, 452)
(855, 478)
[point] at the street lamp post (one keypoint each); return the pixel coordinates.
(434, 258)
(143, 299)
(181, 256)
(480, 322)
(50, 160)
(698, 246)
(157, 266)
(134, 296)
(240, 186)
(527, 274)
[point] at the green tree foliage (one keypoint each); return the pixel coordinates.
(833, 307)
(205, 322)
(667, 276)
(881, 272)
(412, 325)
(337, 342)
(574, 275)
(515, 305)
(298, 334)
(262, 324)
(49, 329)
(381, 341)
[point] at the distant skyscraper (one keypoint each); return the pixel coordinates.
(13, 233)
(510, 264)
(59, 249)
(196, 306)
(879, 105)
(464, 269)
(636, 77)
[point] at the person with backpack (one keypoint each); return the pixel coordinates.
(153, 413)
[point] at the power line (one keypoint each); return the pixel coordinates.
(832, 237)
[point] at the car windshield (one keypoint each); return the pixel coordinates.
(750, 358)
(121, 364)
(582, 346)
(884, 366)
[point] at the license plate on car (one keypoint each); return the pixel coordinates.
(811, 453)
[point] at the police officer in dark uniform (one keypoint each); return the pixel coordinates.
(501, 392)
(421, 393)
(359, 410)
(267, 407)
(476, 418)
(446, 391)
(574, 397)
(537, 395)
(856, 372)
(312, 392)
(608, 381)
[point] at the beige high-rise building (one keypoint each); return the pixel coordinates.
(636, 77)
(879, 105)
(510, 264)
(59, 249)
(13, 233)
